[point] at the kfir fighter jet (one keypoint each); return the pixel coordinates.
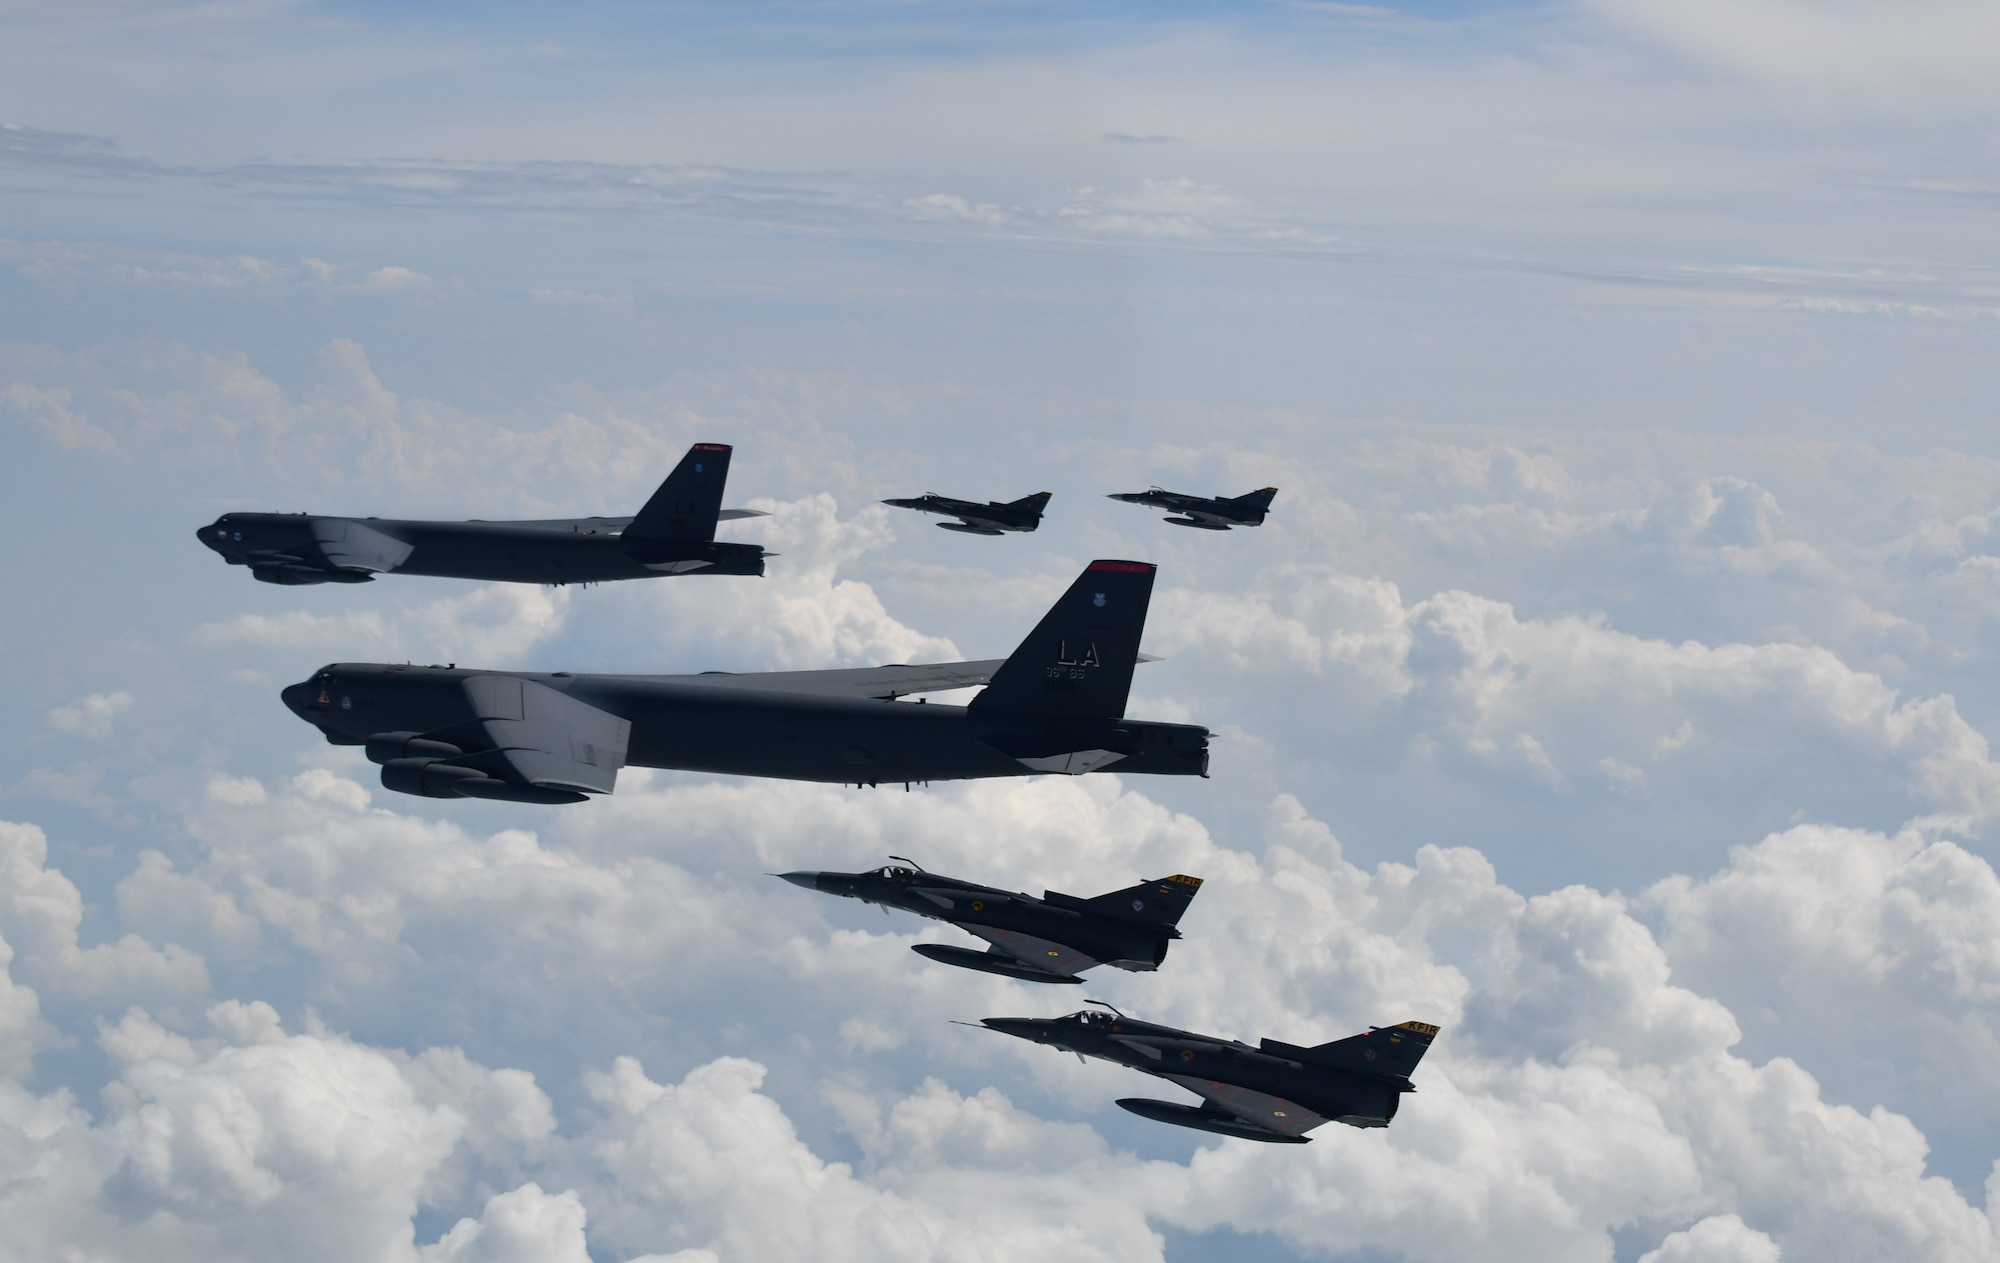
(673, 534)
(995, 517)
(1206, 513)
(1275, 1092)
(1051, 939)
(1056, 705)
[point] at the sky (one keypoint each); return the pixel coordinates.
(1612, 684)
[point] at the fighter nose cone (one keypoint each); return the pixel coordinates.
(809, 880)
(1018, 1027)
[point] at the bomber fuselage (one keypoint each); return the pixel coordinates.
(287, 548)
(701, 723)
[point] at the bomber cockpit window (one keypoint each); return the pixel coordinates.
(323, 676)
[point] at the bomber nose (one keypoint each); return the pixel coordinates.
(297, 697)
(809, 880)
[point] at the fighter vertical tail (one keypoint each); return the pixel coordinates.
(1155, 902)
(689, 502)
(1385, 1052)
(1077, 663)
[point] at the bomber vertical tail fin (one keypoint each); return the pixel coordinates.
(689, 502)
(1077, 663)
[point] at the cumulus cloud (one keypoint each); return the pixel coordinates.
(490, 626)
(1587, 1078)
(41, 915)
(91, 716)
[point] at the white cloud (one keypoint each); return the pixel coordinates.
(1902, 56)
(91, 716)
(41, 913)
(494, 625)
(394, 280)
(1580, 1083)
(1717, 1239)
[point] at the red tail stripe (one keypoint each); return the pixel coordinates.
(1124, 567)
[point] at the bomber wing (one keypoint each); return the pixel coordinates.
(350, 545)
(521, 741)
(885, 683)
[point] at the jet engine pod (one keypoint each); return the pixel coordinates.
(1204, 1120)
(502, 791)
(294, 576)
(289, 576)
(427, 778)
(387, 747)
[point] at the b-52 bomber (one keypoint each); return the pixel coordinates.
(673, 534)
(1057, 705)
(1275, 1092)
(1206, 513)
(1051, 939)
(995, 517)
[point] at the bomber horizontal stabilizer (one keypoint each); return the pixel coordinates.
(988, 963)
(1205, 1120)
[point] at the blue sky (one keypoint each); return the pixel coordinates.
(1612, 684)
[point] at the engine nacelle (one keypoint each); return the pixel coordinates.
(427, 778)
(288, 575)
(387, 747)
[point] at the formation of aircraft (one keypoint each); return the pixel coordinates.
(995, 517)
(1055, 705)
(1275, 1092)
(1051, 939)
(1206, 513)
(673, 534)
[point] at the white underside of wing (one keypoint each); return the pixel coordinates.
(1075, 763)
(549, 738)
(352, 546)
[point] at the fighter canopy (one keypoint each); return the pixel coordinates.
(1050, 939)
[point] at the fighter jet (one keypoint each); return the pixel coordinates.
(1275, 1092)
(1051, 939)
(673, 534)
(995, 517)
(1056, 705)
(1206, 513)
